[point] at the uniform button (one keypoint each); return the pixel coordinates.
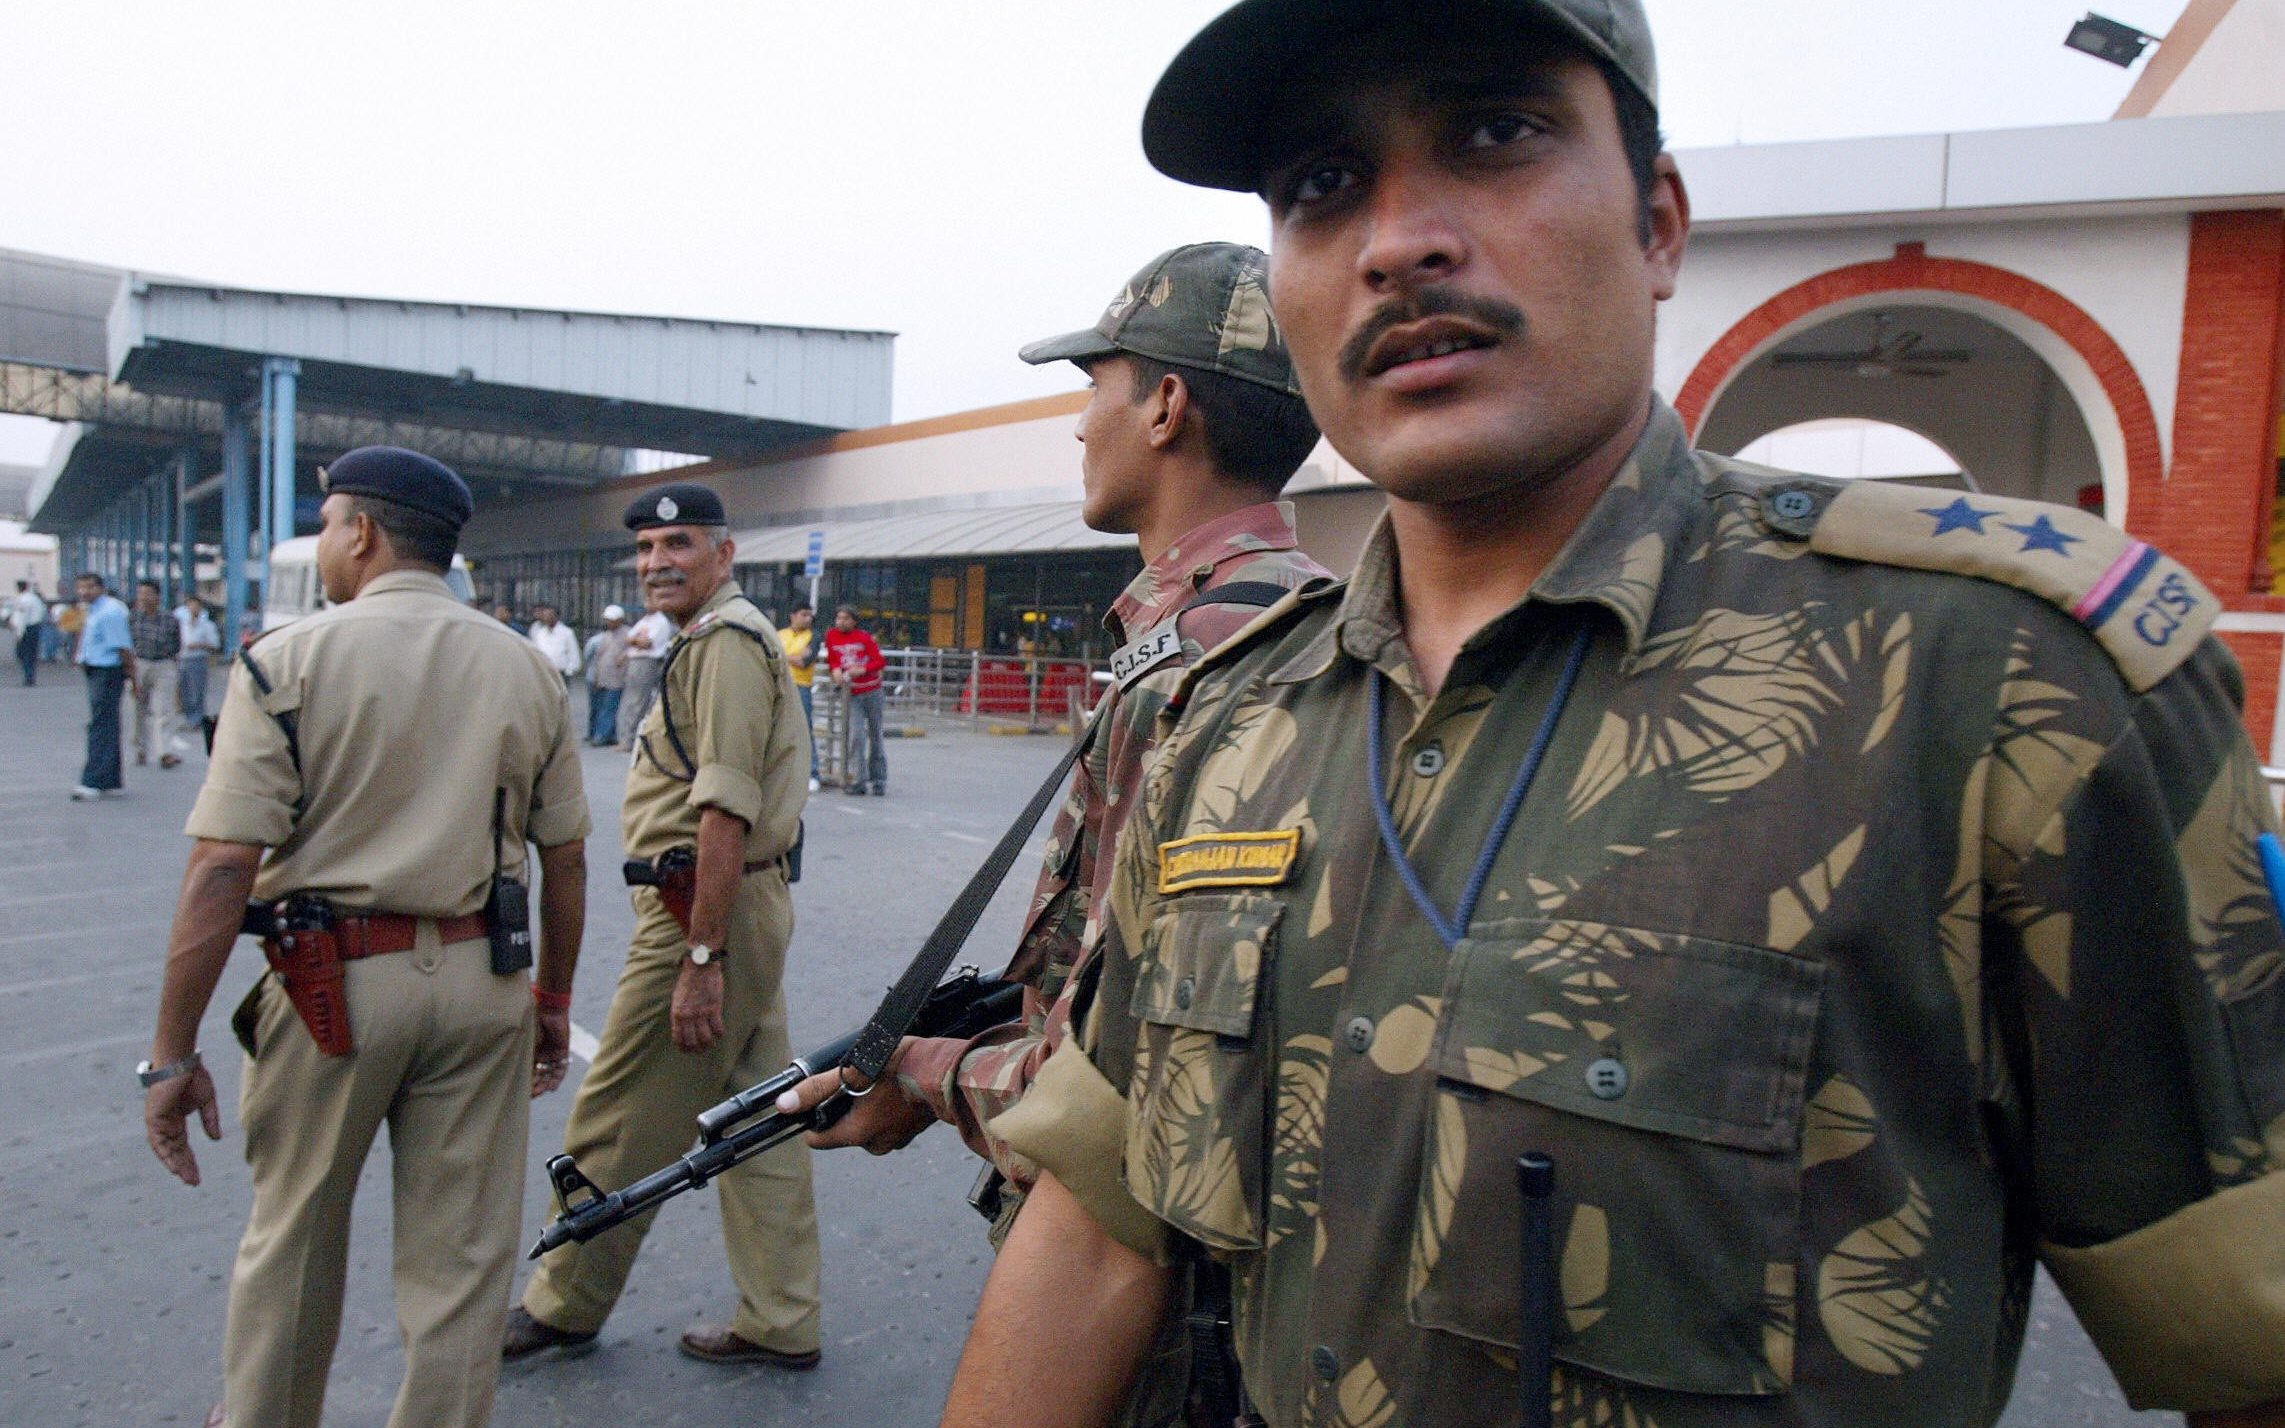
(1608, 1078)
(1325, 1363)
(1185, 994)
(1793, 505)
(1429, 762)
(1359, 1034)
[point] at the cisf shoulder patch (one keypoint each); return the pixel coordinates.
(1228, 860)
(1145, 654)
(2147, 612)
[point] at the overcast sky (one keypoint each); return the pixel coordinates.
(966, 175)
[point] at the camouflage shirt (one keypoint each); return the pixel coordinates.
(1868, 934)
(968, 1083)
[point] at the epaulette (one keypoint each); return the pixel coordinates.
(2144, 608)
(1314, 593)
(717, 619)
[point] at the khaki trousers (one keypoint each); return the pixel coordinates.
(444, 1059)
(158, 721)
(637, 1110)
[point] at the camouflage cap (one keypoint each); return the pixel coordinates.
(1203, 120)
(1204, 306)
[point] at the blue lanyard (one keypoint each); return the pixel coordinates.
(1452, 930)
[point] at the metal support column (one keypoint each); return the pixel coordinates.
(280, 377)
(146, 529)
(237, 517)
(186, 526)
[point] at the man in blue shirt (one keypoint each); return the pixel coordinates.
(107, 654)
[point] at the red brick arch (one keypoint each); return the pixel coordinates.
(1912, 270)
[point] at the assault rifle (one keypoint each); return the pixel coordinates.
(745, 1125)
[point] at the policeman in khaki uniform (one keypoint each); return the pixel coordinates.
(393, 754)
(1855, 889)
(721, 768)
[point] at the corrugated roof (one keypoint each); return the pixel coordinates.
(1004, 530)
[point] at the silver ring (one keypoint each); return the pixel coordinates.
(856, 1095)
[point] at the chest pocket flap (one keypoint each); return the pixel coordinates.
(1204, 963)
(1679, 1035)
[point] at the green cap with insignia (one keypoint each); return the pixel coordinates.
(1204, 306)
(1203, 121)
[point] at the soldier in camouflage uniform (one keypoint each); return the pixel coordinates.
(1855, 889)
(1194, 426)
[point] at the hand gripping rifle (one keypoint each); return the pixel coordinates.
(742, 1127)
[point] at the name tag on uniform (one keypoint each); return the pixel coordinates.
(1228, 860)
(1146, 654)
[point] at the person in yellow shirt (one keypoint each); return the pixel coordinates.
(800, 642)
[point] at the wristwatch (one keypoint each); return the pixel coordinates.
(700, 954)
(151, 1075)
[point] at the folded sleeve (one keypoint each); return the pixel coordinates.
(1073, 1123)
(559, 812)
(253, 787)
(733, 704)
(2146, 963)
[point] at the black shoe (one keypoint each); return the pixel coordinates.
(880, 790)
(855, 790)
(529, 1338)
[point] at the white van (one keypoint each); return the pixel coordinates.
(295, 590)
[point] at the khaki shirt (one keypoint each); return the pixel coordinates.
(1868, 934)
(741, 752)
(410, 710)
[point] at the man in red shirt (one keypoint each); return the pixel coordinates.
(854, 657)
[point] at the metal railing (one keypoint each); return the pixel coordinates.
(965, 688)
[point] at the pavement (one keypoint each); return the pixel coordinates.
(113, 1275)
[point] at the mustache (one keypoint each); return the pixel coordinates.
(1503, 318)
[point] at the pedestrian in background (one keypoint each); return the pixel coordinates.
(646, 646)
(856, 661)
(28, 618)
(606, 676)
(107, 654)
(68, 618)
(556, 640)
(201, 642)
(158, 639)
(394, 753)
(506, 615)
(800, 640)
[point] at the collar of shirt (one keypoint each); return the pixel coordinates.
(1184, 567)
(1616, 558)
(395, 581)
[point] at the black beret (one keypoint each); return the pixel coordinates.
(678, 503)
(391, 473)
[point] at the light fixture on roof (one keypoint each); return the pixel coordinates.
(2107, 39)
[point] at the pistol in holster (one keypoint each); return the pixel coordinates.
(675, 874)
(298, 938)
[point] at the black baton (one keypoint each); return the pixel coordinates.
(1535, 1345)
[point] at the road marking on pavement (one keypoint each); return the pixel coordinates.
(963, 837)
(583, 1043)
